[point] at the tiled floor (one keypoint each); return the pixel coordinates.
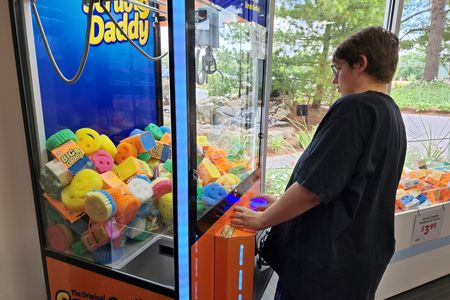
(435, 290)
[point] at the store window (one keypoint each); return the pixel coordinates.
(229, 61)
(421, 89)
(422, 85)
(305, 36)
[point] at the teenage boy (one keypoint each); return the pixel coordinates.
(333, 229)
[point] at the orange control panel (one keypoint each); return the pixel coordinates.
(223, 259)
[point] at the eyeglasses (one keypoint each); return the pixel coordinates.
(335, 70)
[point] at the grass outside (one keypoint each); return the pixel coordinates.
(422, 95)
(276, 180)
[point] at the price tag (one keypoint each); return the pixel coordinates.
(428, 225)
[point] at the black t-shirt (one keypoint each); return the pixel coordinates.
(340, 248)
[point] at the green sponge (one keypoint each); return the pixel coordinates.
(144, 156)
(168, 165)
(154, 130)
(59, 138)
(79, 248)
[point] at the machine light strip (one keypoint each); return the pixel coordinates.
(241, 255)
(181, 111)
(240, 280)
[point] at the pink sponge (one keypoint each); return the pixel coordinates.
(160, 187)
(59, 237)
(103, 161)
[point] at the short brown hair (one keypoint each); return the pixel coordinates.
(378, 44)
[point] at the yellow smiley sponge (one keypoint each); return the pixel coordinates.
(107, 145)
(99, 206)
(85, 181)
(166, 208)
(88, 140)
(71, 201)
(228, 181)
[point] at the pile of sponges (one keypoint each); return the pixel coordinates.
(219, 171)
(99, 195)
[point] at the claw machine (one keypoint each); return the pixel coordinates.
(145, 125)
(232, 61)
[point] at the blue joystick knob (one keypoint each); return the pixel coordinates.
(256, 202)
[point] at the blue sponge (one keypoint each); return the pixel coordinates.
(111, 200)
(84, 163)
(136, 131)
(148, 141)
(165, 129)
(213, 193)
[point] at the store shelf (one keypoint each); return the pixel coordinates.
(404, 223)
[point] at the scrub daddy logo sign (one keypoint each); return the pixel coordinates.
(133, 19)
(80, 295)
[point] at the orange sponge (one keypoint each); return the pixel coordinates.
(127, 208)
(125, 150)
(223, 165)
(214, 153)
(111, 180)
(166, 139)
(208, 172)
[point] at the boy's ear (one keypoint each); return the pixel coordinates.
(362, 63)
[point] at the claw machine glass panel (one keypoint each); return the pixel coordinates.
(230, 61)
(101, 154)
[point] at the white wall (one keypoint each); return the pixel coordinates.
(21, 274)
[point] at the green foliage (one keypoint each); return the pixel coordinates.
(276, 143)
(306, 34)
(227, 141)
(410, 66)
(304, 133)
(413, 155)
(228, 80)
(276, 180)
(424, 144)
(423, 95)
(234, 65)
(304, 137)
(415, 29)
